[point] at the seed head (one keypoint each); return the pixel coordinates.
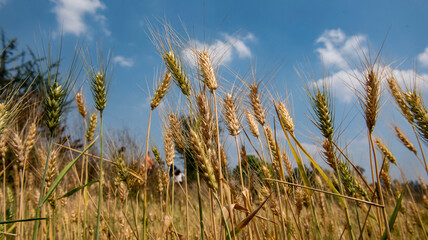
(208, 75)
(388, 154)
(252, 123)
(207, 122)
(203, 162)
(99, 91)
(420, 113)
(371, 99)
(91, 128)
(54, 105)
(177, 134)
(404, 140)
(397, 94)
(169, 148)
(276, 153)
(287, 163)
(231, 116)
(285, 117)
(256, 104)
(80, 104)
(384, 176)
(156, 154)
(176, 69)
(161, 91)
(244, 157)
(322, 109)
(329, 154)
(3, 116)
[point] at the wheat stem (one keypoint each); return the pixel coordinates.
(385, 218)
(146, 154)
(42, 189)
(100, 183)
(420, 147)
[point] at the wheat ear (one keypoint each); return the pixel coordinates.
(175, 67)
(161, 90)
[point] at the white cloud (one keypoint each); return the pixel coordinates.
(408, 78)
(3, 3)
(223, 51)
(123, 61)
(423, 58)
(71, 14)
(338, 47)
(344, 81)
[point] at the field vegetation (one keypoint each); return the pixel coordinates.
(104, 187)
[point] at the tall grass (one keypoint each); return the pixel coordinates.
(282, 191)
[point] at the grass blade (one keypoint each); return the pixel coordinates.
(319, 169)
(22, 220)
(393, 216)
(63, 172)
(73, 191)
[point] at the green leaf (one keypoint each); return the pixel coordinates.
(63, 172)
(21, 220)
(319, 169)
(73, 191)
(393, 216)
(299, 162)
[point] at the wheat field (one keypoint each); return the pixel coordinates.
(110, 188)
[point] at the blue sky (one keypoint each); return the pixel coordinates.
(287, 34)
